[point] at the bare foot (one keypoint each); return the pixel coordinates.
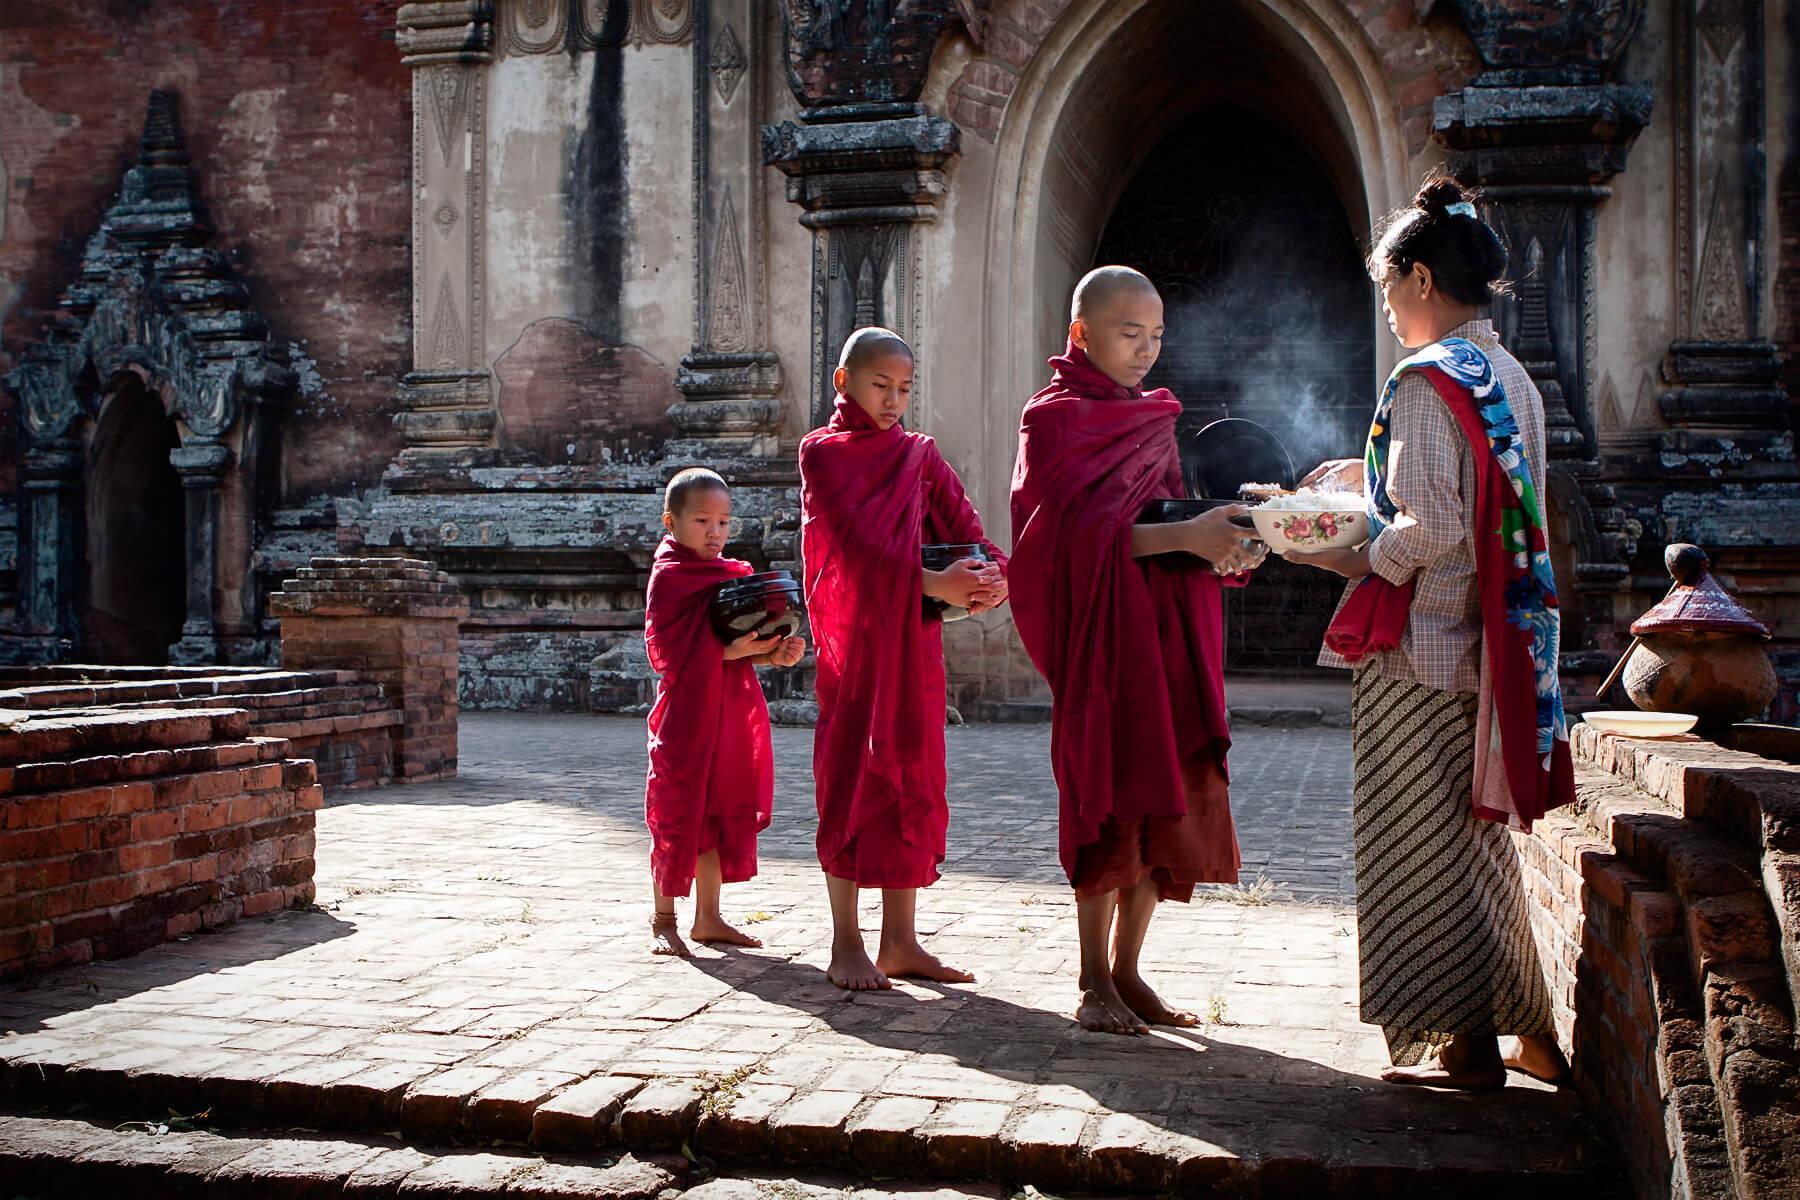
(664, 939)
(851, 970)
(1098, 1013)
(714, 931)
(912, 962)
(1138, 997)
(1538, 1056)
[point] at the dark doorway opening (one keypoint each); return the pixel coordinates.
(1270, 316)
(136, 533)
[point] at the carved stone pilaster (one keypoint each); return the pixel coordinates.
(201, 465)
(1542, 154)
(50, 553)
(866, 165)
(730, 382)
(447, 397)
(868, 178)
(1724, 373)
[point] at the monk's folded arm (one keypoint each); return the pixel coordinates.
(1424, 483)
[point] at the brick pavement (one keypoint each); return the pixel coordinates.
(476, 971)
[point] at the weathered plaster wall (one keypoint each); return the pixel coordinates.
(589, 264)
(296, 118)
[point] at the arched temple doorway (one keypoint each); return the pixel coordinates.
(134, 599)
(1270, 316)
(1236, 151)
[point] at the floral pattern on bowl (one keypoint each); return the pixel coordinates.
(1302, 530)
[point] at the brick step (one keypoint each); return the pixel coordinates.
(60, 737)
(892, 1137)
(350, 722)
(146, 765)
(84, 693)
(361, 694)
(52, 1157)
(323, 708)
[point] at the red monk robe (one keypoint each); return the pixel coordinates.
(869, 499)
(1131, 647)
(712, 776)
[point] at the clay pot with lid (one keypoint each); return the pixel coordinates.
(1699, 650)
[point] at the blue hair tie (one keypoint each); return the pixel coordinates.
(1462, 208)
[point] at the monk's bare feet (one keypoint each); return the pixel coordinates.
(1466, 1065)
(914, 962)
(1149, 1007)
(664, 937)
(714, 931)
(1538, 1056)
(851, 970)
(1103, 1011)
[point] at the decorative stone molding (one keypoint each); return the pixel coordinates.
(152, 299)
(447, 396)
(1723, 372)
(570, 26)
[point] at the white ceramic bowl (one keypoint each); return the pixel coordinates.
(1307, 530)
(1641, 724)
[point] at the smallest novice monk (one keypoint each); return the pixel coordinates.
(711, 785)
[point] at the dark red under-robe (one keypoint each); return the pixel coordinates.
(711, 784)
(1132, 648)
(869, 499)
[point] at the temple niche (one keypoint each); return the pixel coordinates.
(623, 236)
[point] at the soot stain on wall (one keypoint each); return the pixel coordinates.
(595, 200)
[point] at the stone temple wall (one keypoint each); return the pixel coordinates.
(518, 262)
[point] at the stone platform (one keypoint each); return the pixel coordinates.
(475, 972)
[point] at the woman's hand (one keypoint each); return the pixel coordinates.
(1351, 564)
(960, 582)
(750, 646)
(787, 652)
(1337, 475)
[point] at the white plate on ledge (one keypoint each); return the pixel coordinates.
(1641, 724)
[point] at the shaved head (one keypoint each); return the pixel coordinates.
(687, 484)
(1098, 287)
(870, 342)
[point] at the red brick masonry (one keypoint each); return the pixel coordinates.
(1669, 903)
(119, 830)
(393, 621)
(344, 724)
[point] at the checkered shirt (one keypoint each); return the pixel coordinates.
(1431, 480)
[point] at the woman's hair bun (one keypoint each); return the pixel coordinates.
(1465, 256)
(1438, 193)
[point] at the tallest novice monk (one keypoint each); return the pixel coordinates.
(1130, 642)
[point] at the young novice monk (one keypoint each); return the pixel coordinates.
(871, 494)
(1130, 643)
(712, 781)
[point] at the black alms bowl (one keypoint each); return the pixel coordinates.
(765, 603)
(936, 557)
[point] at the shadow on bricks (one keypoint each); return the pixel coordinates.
(60, 993)
(1158, 1080)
